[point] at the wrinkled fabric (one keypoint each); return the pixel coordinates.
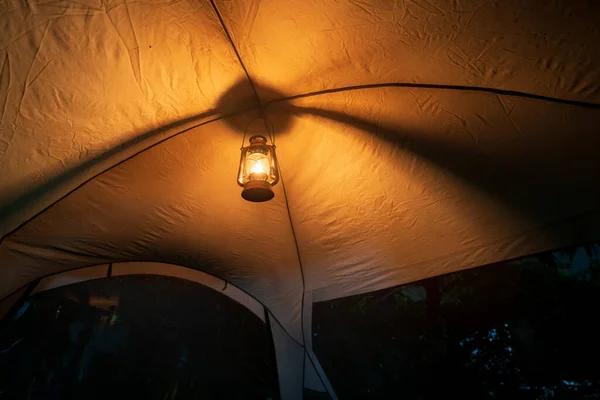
(389, 186)
(121, 124)
(79, 79)
(536, 46)
(176, 214)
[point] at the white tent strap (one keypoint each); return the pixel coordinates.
(151, 268)
(314, 375)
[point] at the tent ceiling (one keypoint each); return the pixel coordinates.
(384, 185)
(536, 46)
(182, 213)
(433, 181)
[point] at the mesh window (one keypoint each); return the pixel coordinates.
(142, 337)
(521, 330)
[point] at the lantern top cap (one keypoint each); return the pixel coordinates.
(258, 139)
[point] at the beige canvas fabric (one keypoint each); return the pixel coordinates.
(415, 138)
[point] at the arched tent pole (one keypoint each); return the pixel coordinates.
(291, 357)
(9, 296)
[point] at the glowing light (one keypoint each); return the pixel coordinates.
(258, 170)
(258, 166)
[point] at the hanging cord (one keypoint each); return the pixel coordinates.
(246, 131)
(269, 127)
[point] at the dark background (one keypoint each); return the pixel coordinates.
(526, 329)
(136, 337)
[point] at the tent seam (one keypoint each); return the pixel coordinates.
(435, 86)
(237, 53)
(313, 94)
(27, 221)
(289, 213)
(303, 345)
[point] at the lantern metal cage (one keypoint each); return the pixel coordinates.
(258, 171)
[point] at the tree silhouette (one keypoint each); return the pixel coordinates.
(521, 330)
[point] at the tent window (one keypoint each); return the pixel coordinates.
(525, 329)
(143, 337)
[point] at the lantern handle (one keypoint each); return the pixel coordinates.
(268, 125)
(246, 130)
(271, 131)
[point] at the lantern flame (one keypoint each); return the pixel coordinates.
(257, 168)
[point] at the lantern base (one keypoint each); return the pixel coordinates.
(258, 191)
